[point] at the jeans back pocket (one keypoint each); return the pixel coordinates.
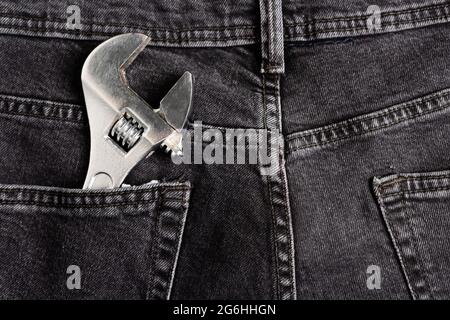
(90, 244)
(416, 210)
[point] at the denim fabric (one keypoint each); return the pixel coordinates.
(364, 116)
(125, 241)
(413, 206)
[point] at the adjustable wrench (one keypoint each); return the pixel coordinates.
(124, 129)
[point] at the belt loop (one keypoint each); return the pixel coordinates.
(272, 36)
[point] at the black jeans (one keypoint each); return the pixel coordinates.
(360, 205)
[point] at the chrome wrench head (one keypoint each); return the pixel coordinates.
(123, 127)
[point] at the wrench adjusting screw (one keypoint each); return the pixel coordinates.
(126, 132)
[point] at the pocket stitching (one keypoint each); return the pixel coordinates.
(424, 273)
(419, 259)
(56, 205)
(376, 114)
(393, 239)
(294, 139)
(61, 198)
(182, 207)
(94, 192)
(418, 189)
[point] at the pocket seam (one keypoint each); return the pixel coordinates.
(58, 197)
(383, 210)
(415, 191)
(36, 108)
(400, 179)
(347, 129)
(164, 210)
(375, 114)
(412, 276)
(113, 204)
(170, 202)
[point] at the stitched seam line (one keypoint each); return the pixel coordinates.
(402, 179)
(395, 243)
(425, 177)
(362, 133)
(41, 116)
(185, 208)
(152, 262)
(272, 209)
(279, 204)
(66, 194)
(423, 273)
(86, 205)
(264, 101)
(294, 138)
(389, 183)
(157, 249)
(35, 101)
(162, 273)
(376, 114)
(176, 248)
(59, 205)
(224, 28)
(412, 192)
(112, 24)
(154, 39)
(275, 242)
(11, 106)
(51, 28)
(383, 14)
(384, 25)
(200, 39)
(69, 195)
(116, 25)
(291, 249)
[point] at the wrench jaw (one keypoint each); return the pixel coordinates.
(124, 129)
(104, 68)
(176, 108)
